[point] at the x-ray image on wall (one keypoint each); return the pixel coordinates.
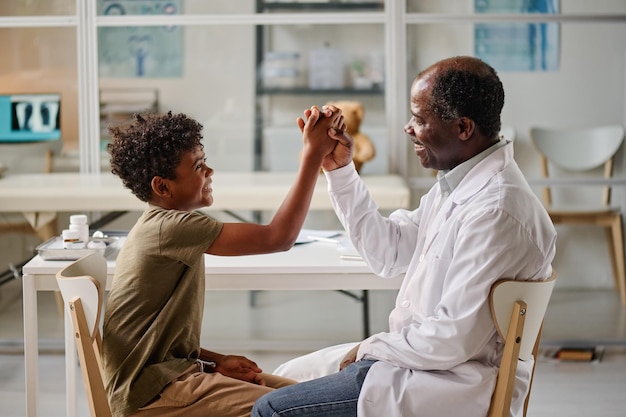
(146, 51)
(30, 117)
(35, 113)
(532, 46)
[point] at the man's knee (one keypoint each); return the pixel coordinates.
(262, 407)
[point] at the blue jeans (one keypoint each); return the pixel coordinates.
(334, 395)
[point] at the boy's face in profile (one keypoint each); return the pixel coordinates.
(191, 189)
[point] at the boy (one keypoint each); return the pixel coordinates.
(152, 359)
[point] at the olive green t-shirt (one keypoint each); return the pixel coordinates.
(153, 314)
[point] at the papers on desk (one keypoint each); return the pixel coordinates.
(310, 235)
(345, 248)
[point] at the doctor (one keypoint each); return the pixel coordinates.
(479, 223)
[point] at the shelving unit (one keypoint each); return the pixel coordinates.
(262, 91)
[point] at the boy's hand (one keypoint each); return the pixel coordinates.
(240, 367)
(326, 111)
(317, 143)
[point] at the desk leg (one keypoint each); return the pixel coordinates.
(31, 344)
(70, 366)
(365, 299)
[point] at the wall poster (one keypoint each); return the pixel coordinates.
(532, 46)
(140, 52)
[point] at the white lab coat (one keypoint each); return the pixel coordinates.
(441, 353)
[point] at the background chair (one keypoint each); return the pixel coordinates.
(82, 285)
(582, 150)
(517, 309)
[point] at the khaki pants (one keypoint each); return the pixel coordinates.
(197, 393)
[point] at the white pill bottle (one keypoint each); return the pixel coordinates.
(79, 223)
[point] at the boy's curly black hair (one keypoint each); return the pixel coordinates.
(151, 145)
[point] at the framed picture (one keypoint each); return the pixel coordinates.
(532, 46)
(137, 52)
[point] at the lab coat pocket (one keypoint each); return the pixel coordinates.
(434, 273)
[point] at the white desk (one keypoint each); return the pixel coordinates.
(311, 266)
(74, 192)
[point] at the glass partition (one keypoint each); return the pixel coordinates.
(585, 88)
(215, 85)
(249, 94)
(38, 96)
(304, 65)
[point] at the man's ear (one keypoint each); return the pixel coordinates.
(160, 187)
(466, 128)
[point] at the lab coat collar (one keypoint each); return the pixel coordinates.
(480, 174)
(475, 180)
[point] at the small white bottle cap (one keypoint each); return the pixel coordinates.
(78, 219)
(71, 240)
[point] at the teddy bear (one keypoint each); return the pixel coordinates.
(353, 112)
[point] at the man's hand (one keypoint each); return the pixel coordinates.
(349, 358)
(342, 152)
(240, 367)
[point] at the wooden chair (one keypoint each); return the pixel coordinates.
(517, 309)
(583, 150)
(82, 286)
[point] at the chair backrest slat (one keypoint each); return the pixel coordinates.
(536, 294)
(82, 285)
(517, 308)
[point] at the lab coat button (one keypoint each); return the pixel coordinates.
(421, 257)
(406, 303)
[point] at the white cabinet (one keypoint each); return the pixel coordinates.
(303, 64)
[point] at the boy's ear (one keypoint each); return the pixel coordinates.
(160, 186)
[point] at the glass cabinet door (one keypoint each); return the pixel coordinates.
(303, 65)
(246, 71)
(38, 86)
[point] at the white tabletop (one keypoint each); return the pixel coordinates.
(307, 266)
(73, 192)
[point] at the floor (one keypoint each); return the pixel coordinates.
(261, 325)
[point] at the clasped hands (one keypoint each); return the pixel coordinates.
(342, 151)
(239, 367)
